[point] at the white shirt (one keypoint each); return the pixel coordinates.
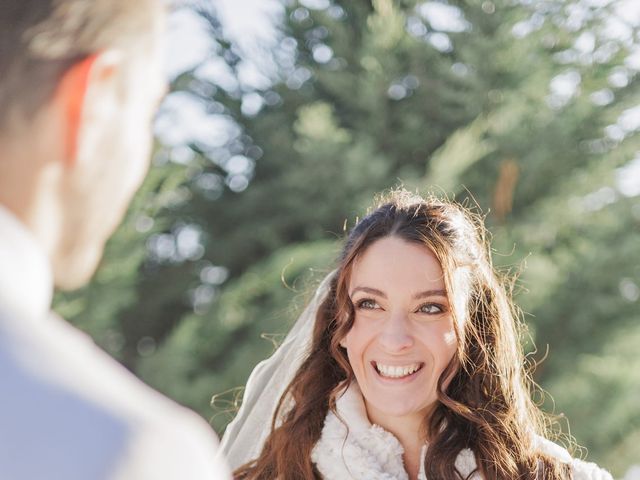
(67, 410)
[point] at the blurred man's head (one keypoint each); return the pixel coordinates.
(79, 87)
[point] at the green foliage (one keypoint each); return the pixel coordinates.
(207, 355)
(368, 95)
(597, 387)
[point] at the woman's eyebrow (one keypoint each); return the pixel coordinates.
(417, 296)
(373, 291)
(430, 293)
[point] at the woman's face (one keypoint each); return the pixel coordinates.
(403, 334)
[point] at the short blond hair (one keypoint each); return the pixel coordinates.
(41, 39)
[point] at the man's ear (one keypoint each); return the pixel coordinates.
(93, 70)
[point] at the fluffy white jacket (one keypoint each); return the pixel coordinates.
(368, 452)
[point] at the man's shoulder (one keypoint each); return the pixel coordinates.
(56, 355)
(71, 396)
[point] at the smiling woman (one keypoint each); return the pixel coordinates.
(402, 336)
(410, 366)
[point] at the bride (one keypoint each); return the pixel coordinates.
(406, 365)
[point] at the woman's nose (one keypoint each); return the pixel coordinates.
(396, 335)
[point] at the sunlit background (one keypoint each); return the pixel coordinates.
(285, 118)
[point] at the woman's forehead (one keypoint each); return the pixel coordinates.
(391, 264)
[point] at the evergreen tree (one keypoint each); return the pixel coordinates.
(520, 108)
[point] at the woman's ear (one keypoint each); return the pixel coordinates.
(343, 340)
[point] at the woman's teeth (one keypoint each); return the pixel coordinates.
(395, 371)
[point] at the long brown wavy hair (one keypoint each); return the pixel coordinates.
(486, 407)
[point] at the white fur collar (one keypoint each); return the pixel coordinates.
(368, 452)
(365, 451)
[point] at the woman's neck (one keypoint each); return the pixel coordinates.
(409, 432)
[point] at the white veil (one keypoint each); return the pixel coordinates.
(247, 432)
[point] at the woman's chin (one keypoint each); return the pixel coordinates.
(387, 406)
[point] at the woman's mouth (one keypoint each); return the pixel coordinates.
(397, 371)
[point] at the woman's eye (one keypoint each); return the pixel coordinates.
(367, 304)
(431, 308)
